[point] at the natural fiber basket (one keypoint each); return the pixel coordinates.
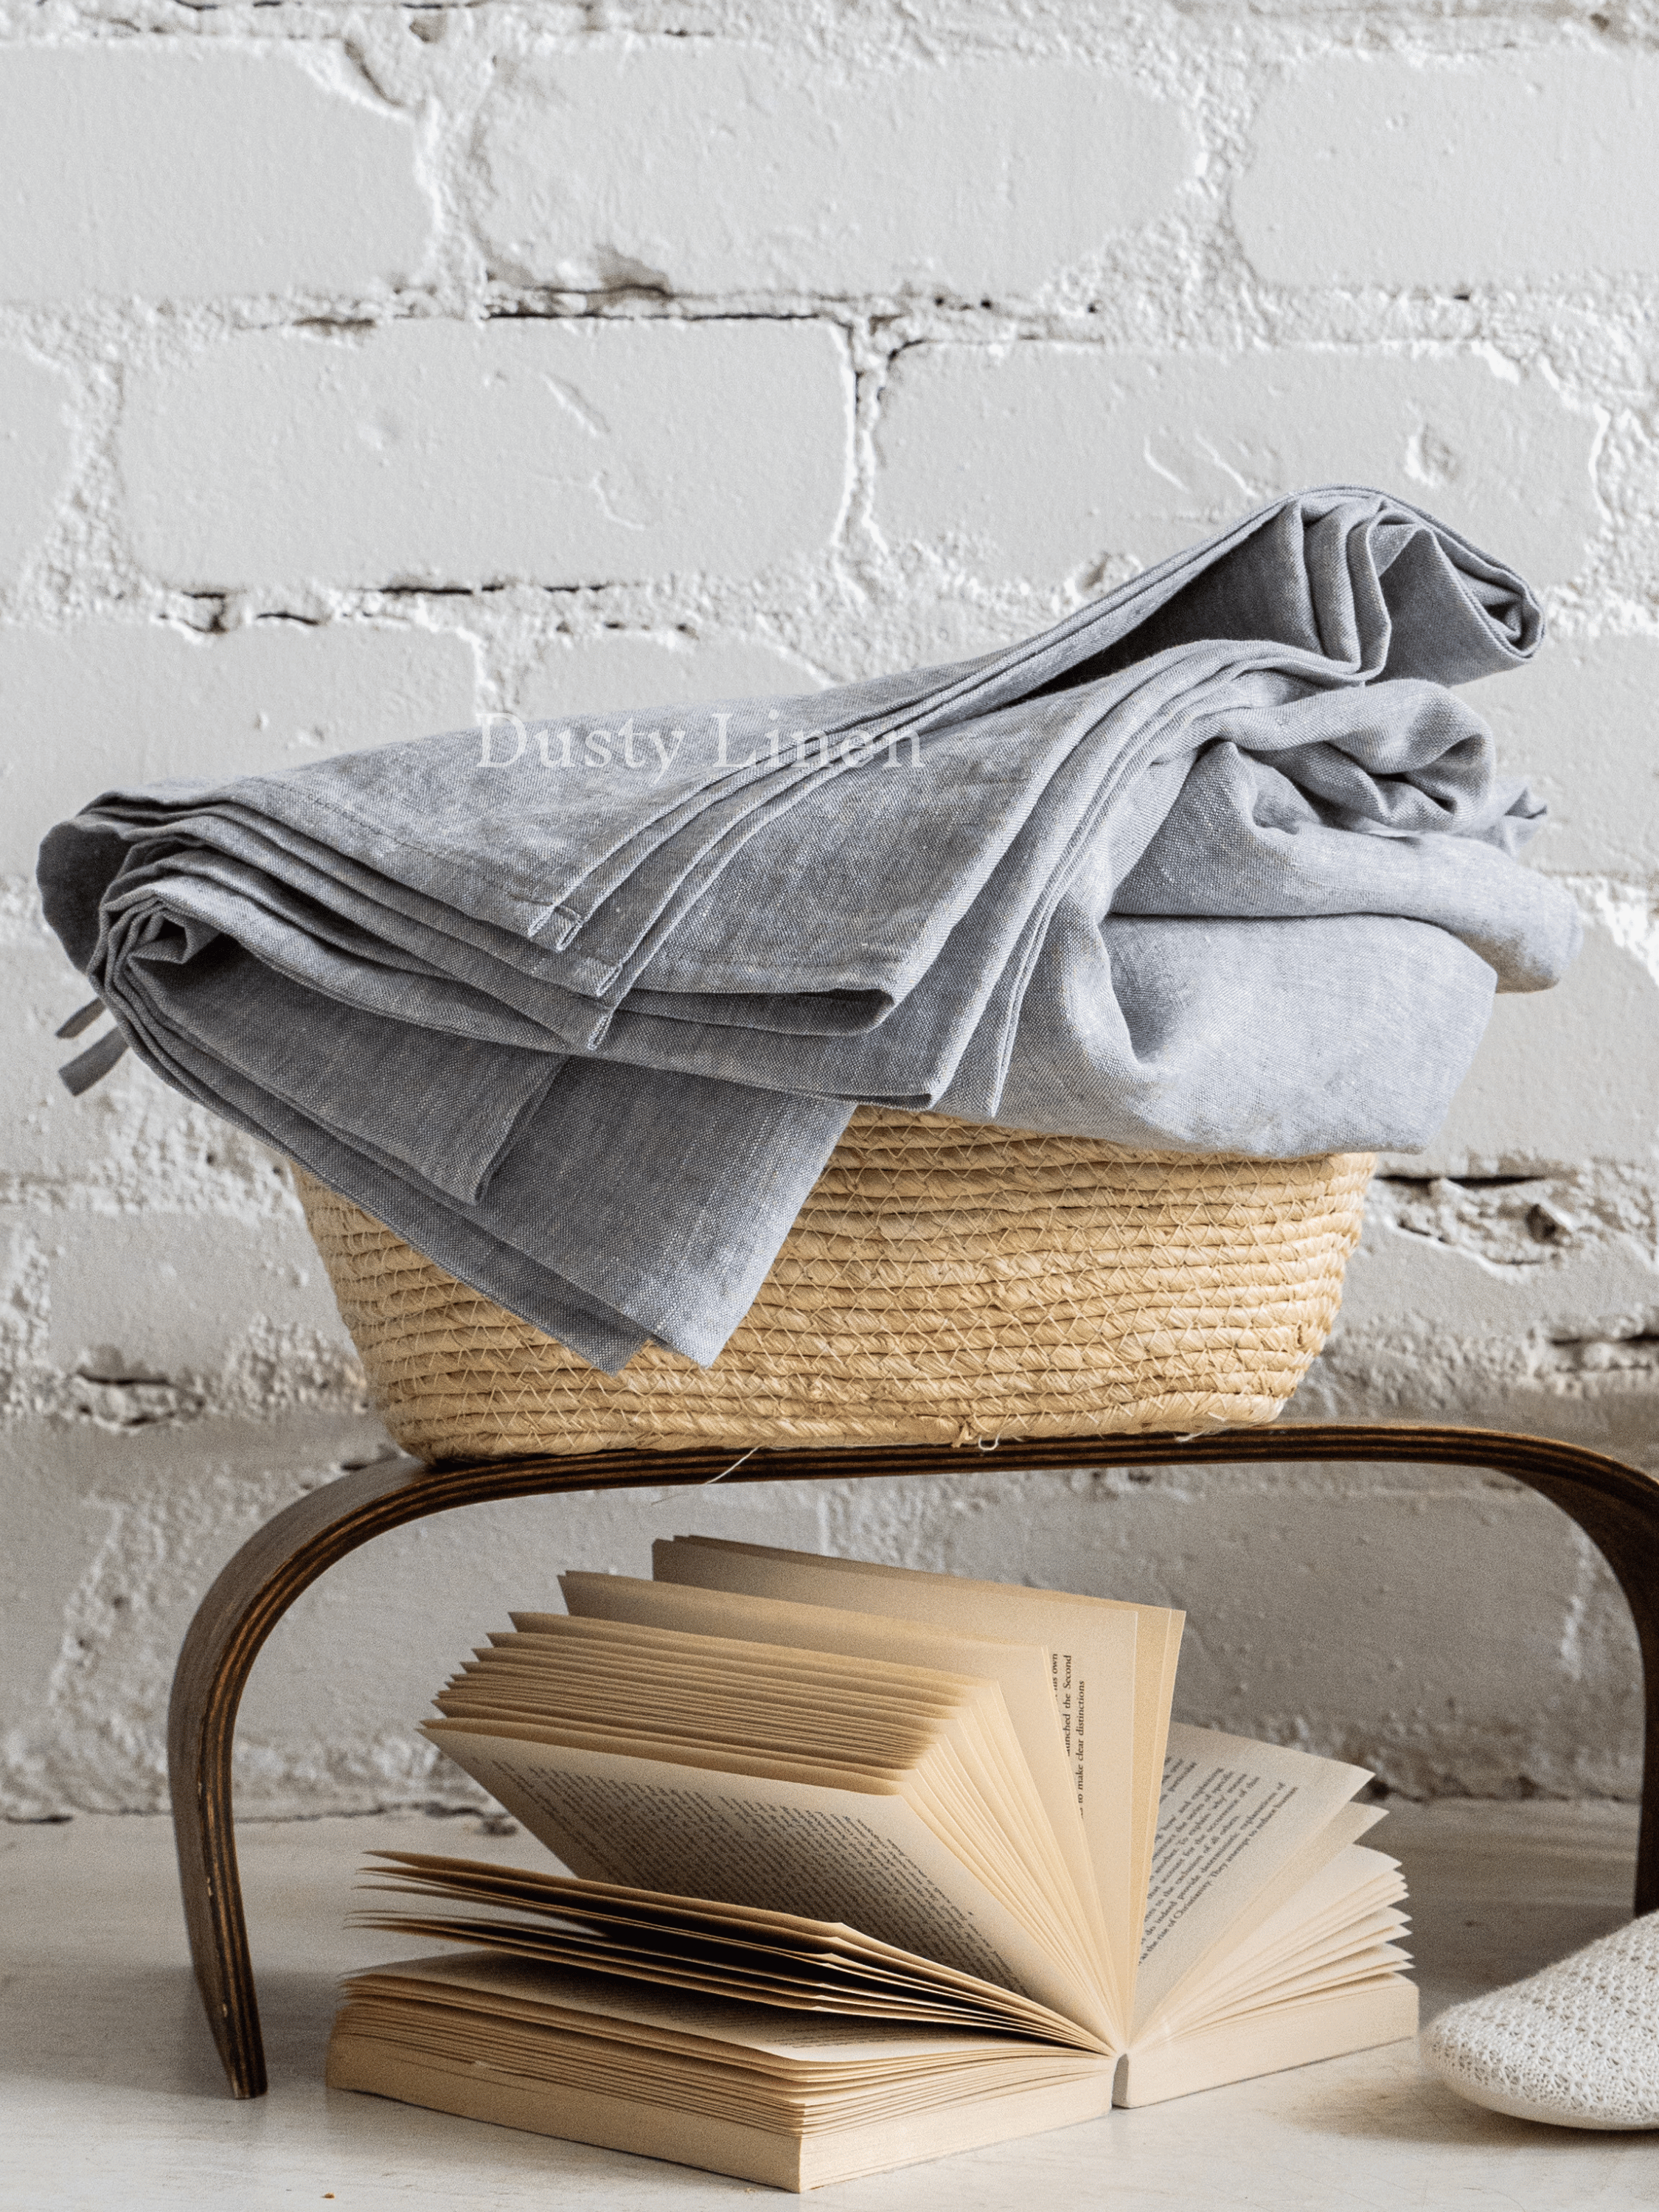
(945, 1283)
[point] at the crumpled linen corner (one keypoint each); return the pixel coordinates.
(1217, 863)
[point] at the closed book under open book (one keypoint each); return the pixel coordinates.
(868, 1866)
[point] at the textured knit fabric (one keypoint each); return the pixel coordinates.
(1215, 864)
(1577, 2045)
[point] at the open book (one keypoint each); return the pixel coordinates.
(869, 1866)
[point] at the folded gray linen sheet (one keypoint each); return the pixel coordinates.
(1218, 863)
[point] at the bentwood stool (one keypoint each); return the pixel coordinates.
(1615, 1505)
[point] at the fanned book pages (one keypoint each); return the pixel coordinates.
(868, 1866)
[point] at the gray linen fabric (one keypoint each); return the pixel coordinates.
(1217, 863)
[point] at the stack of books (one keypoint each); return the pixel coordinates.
(868, 1866)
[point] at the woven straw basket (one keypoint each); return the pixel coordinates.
(945, 1283)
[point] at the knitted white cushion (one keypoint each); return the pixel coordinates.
(1576, 2045)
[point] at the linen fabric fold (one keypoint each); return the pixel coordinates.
(1217, 863)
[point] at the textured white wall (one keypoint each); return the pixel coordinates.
(362, 369)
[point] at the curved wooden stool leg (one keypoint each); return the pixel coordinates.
(248, 1598)
(1622, 1521)
(239, 1612)
(1615, 1505)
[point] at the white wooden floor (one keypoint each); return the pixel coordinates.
(109, 2095)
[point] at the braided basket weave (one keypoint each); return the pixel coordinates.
(945, 1283)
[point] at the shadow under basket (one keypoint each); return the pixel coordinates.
(945, 1282)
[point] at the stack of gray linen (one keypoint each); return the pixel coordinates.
(580, 1009)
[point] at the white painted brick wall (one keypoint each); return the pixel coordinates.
(1572, 1076)
(189, 171)
(1455, 171)
(1582, 728)
(131, 702)
(754, 170)
(363, 369)
(1047, 462)
(649, 668)
(547, 452)
(34, 455)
